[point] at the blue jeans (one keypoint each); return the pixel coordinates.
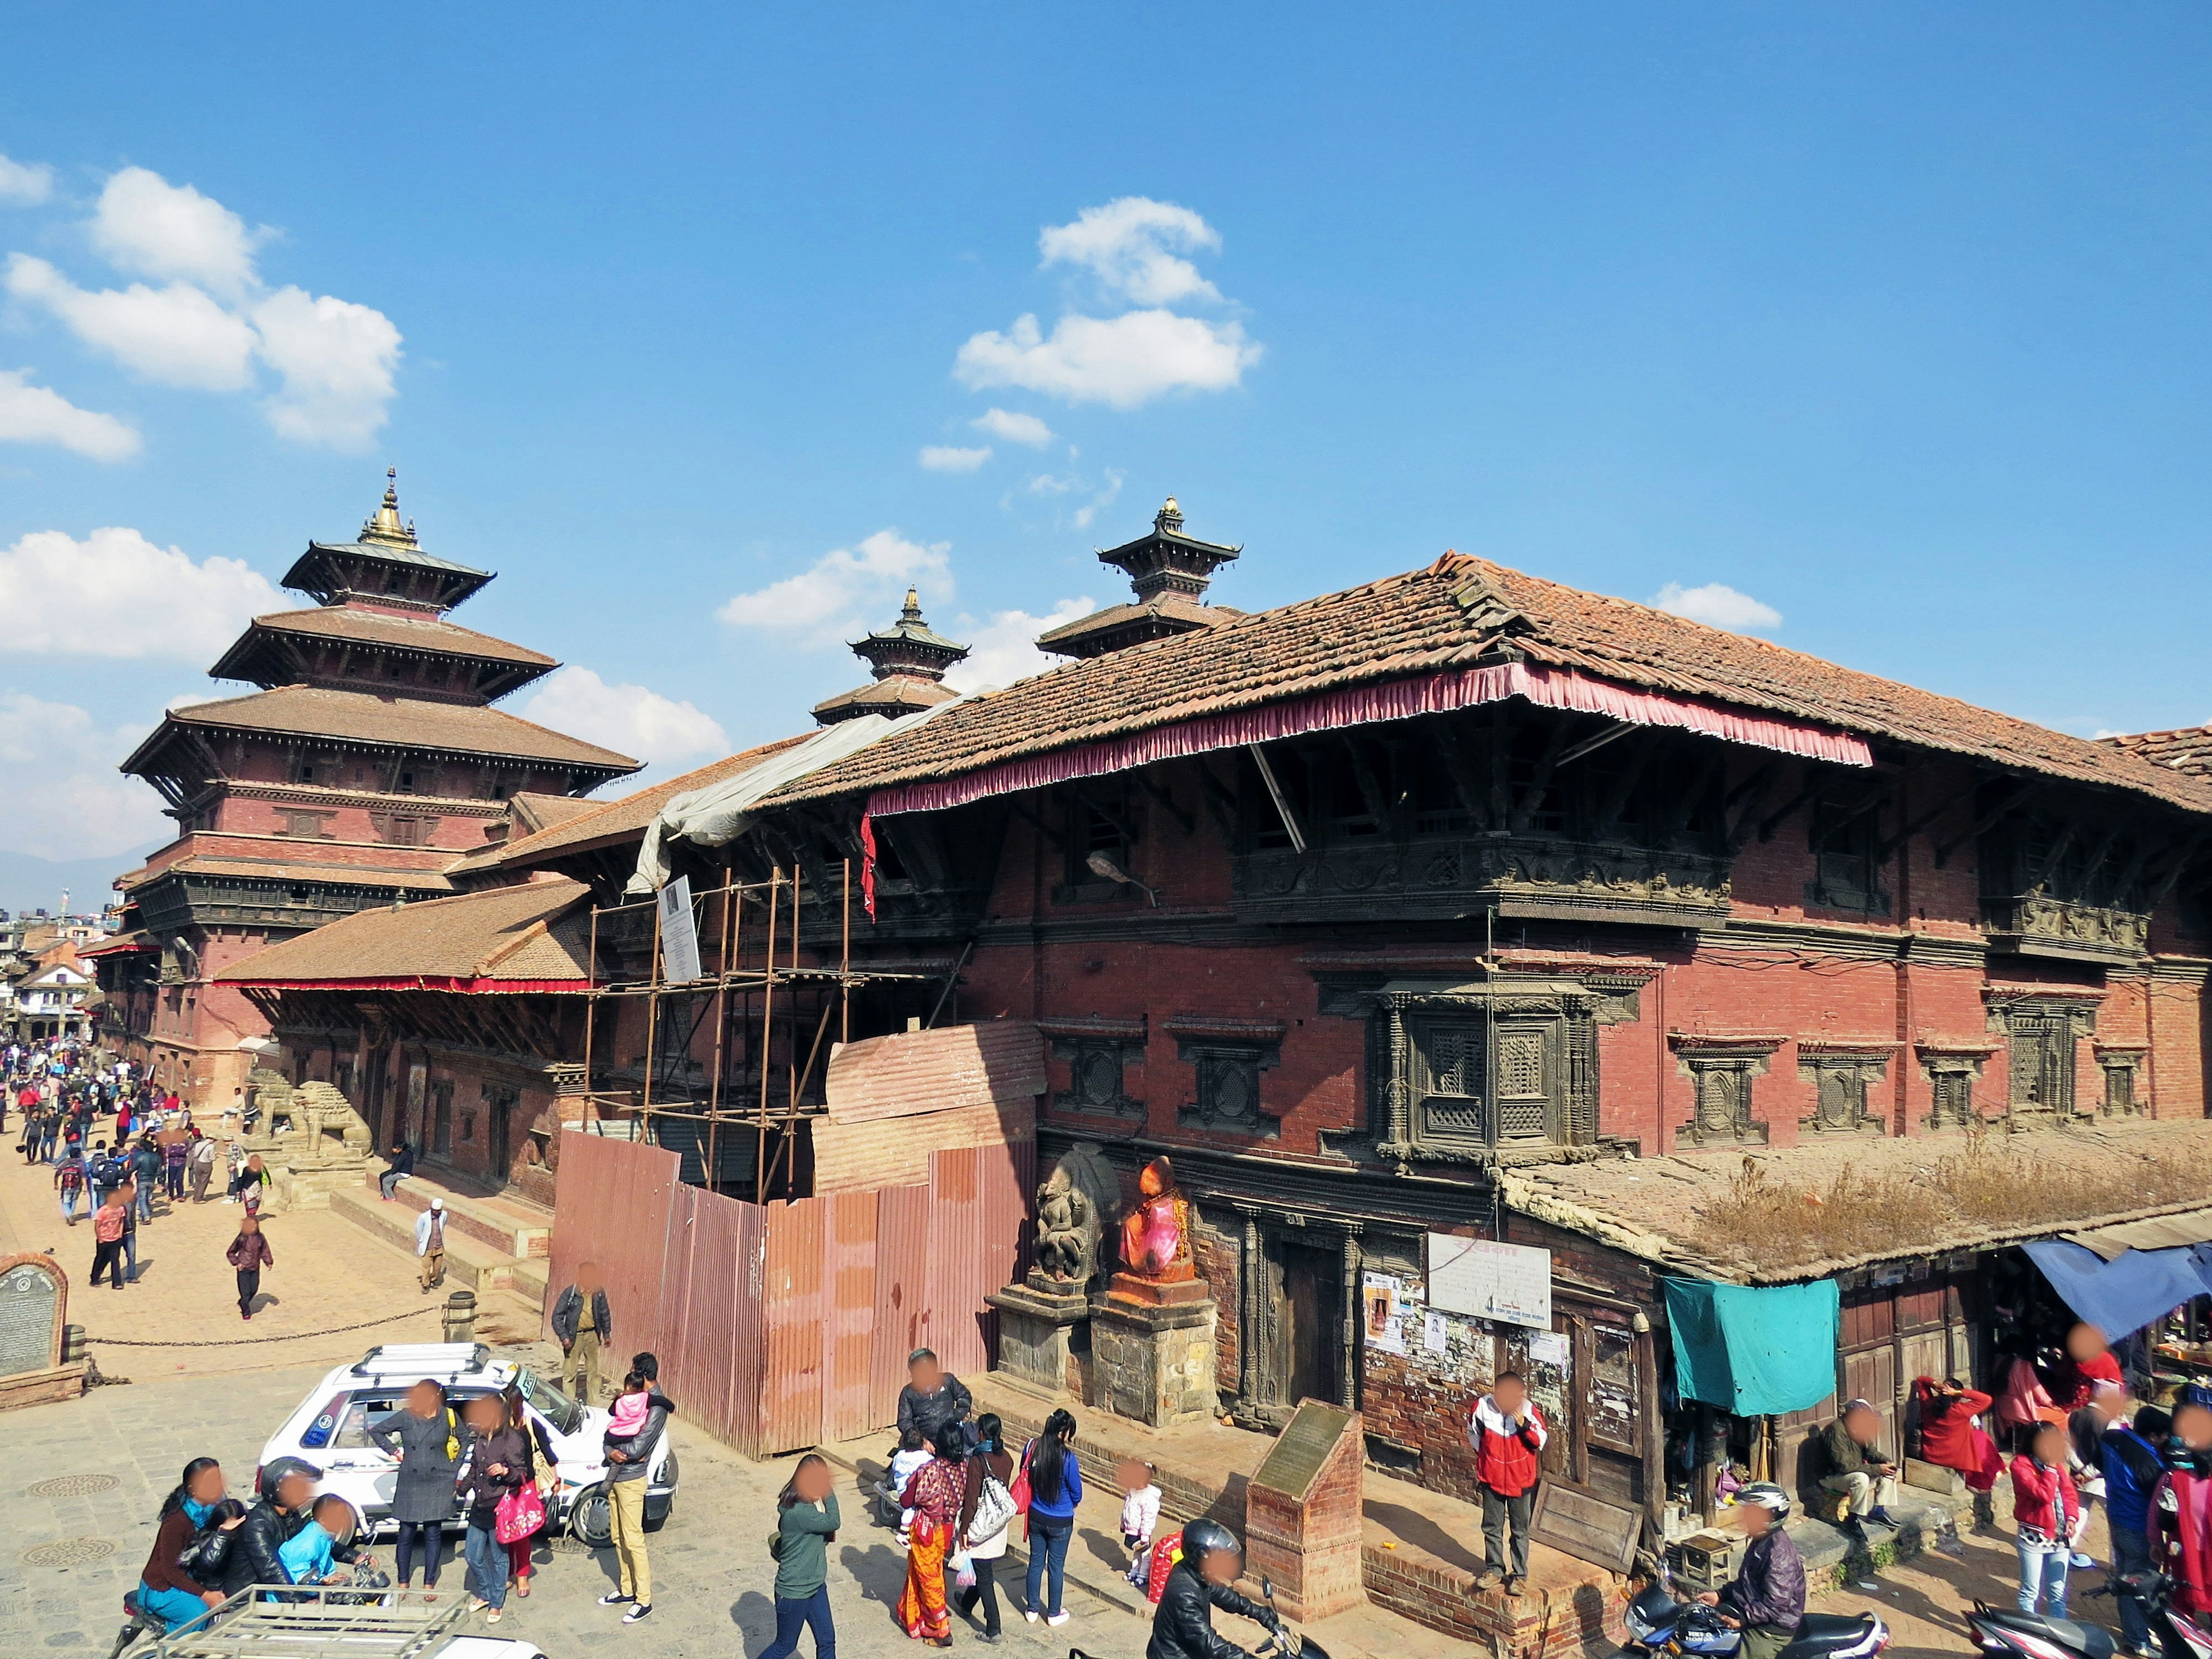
(1048, 1536)
(2131, 1554)
(487, 1559)
(2042, 1577)
(69, 1206)
(145, 1201)
(174, 1607)
(811, 1611)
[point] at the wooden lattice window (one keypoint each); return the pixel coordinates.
(2042, 1060)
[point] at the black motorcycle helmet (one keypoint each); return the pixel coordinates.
(1201, 1538)
(274, 1475)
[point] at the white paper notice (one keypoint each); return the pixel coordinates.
(679, 935)
(1434, 1335)
(1548, 1347)
(1507, 1282)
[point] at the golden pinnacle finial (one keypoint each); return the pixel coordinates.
(912, 612)
(385, 524)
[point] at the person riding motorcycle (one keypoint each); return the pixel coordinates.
(1183, 1626)
(1766, 1598)
(287, 1492)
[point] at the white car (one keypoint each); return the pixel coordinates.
(330, 1429)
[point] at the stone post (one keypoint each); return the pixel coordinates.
(1152, 1351)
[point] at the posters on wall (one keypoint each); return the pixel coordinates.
(1379, 1301)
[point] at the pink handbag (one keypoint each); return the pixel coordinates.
(520, 1513)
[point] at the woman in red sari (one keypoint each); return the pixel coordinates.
(934, 1494)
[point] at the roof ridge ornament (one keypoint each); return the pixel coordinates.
(1487, 608)
(383, 525)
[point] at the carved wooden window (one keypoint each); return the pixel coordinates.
(2120, 1086)
(1095, 1067)
(306, 825)
(1452, 1101)
(1847, 845)
(2042, 1060)
(1721, 1079)
(1953, 1104)
(1842, 1086)
(442, 1117)
(1228, 1093)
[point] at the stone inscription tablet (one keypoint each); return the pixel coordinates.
(28, 1298)
(1302, 1447)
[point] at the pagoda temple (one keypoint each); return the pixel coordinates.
(909, 660)
(1170, 573)
(369, 760)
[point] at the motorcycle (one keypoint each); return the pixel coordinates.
(1658, 1623)
(1282, 1642)
(2014, 1634)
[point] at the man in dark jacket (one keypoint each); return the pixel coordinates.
(1765, 1599)
(933, 1398)
(1183, 1626)
(582, 1325)
(402, 1166)
(1857, 1466)
(287, 1494)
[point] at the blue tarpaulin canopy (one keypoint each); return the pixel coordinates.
(1754, 1350)
(2128, 1291)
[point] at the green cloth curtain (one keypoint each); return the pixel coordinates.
(1754, 1350)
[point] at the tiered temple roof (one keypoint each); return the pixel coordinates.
(1170, 573)
(909, 660)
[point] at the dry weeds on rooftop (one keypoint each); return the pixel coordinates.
(1994, 1183)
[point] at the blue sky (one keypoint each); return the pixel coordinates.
(1892, 320)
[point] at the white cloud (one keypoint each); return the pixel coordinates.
(174, 336)
(1718, 606)
(60, 794)
(1044, 483)
(944, 457)
(212, 320)
(841, 591)
(25, 184)
(630, 720)
(1003, 649)
(116, 594)
(36, 415)
(1013, 428)
(151, 228)
(336, 360)
(1104, 499)
(1125, 244)
(1121, 362)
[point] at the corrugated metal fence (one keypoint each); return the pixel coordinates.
(788, 1325)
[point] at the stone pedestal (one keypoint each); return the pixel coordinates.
(1041, 1326)
(311, 1140)
(1152, 1351)
(1303, 1512)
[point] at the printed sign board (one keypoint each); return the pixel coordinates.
(679, 933)
(1510, 1283)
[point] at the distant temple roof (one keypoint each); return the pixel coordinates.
(387, 565)
(1169, 571)
(275, 649)
(909, 660)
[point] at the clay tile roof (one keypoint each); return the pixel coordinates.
(1450, 615)
(502, 935)
(2188, 750)
(899, 691)
(937, 1071)
(412, 633)
(608, 822)
(1174, 607)
(369, 717)
(293, 869)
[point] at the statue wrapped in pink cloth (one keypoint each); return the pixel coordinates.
(1156, 1233)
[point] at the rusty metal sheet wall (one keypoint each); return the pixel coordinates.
(978, 1241)
(848, 1272)
(611, 1206)
(797, 1309)
(902, 1312)
(711, 1358)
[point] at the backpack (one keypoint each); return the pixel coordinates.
(71, 1177)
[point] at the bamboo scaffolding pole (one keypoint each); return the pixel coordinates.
(714, 1077)
(768, 1015)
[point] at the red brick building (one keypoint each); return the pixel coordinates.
(370, 758)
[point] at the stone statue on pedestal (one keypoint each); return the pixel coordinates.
(1156, 1233)
(1073, 1205)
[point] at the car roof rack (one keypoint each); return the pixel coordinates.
(416, 1360)
(346, 1624)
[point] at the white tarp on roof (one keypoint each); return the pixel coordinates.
(718, 814)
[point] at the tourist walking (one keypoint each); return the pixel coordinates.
(68, 1181)
(201, 1163)
(2048, 1509)
(931, 1501)
(1508, 1434)
(632, 1436)
(130, 1229)
(249, 1253)
(519, 1565)
(987, 1516)
(806, 1527)
(165, 1588)
(2133, 1470)
(107, 1237)
(250, 1183)
(1055, 1488)
(582, 1324)
(146, 1172)
(176, 1147)
(501, 1460)
(430, 1244)
(426, 1436)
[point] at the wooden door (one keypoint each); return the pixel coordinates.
(1312, 1323)
(1870, 1374)
(1546, 1361)
(500, 1128)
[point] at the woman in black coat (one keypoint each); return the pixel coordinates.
(428, 1439)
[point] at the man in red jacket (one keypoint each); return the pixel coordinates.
(1507, 1434)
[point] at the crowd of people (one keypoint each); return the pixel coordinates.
(125, 1150)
